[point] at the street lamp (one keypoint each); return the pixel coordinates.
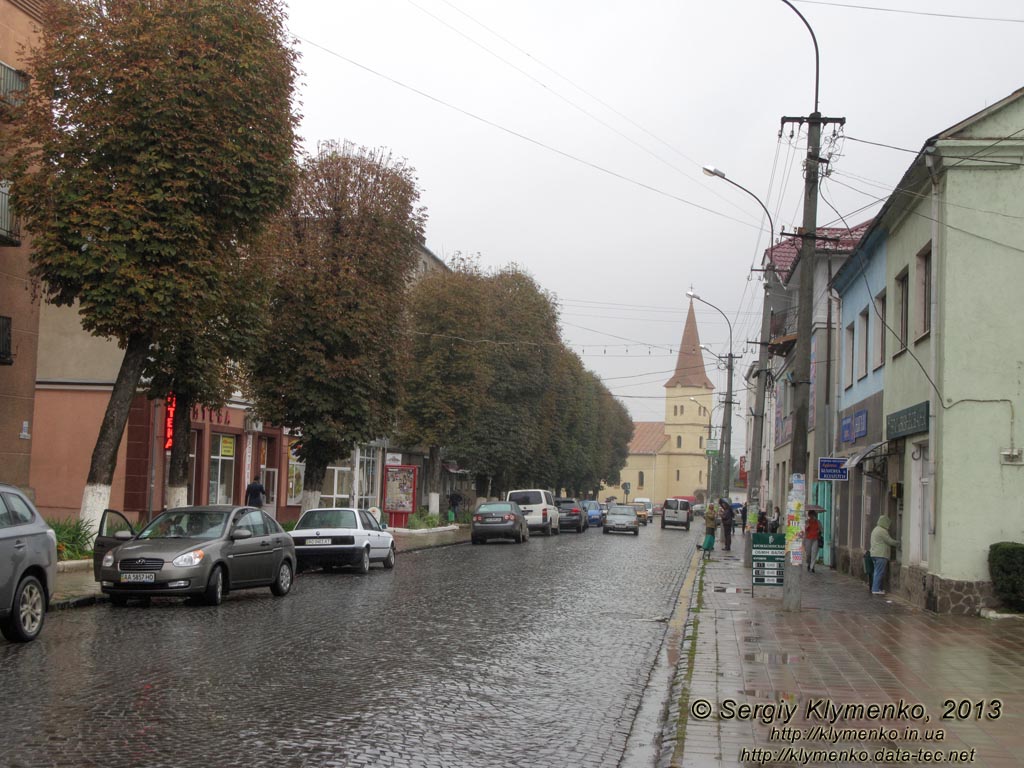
(757, 433)
(727, 416)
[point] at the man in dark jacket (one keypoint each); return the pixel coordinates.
(255, 493)
(728, 516)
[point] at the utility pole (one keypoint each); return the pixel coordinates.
(754, 499)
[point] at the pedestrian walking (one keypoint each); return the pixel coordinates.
(255, 493)
(880, 543)
(710, 523)
(744, 513)
(812, 539)
(728, 520)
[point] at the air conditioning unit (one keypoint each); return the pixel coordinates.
(252, 424)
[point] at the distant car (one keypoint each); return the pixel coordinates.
(538, 507)
(676, 512)
(698, 509)
(335, 536)
(594, 512)
(622, 517)
(571, 514)
(648, 504)
(193, 551)
(499, 520)
(641, 512)
(28, 566)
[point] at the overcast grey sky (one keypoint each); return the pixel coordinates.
(567, 136)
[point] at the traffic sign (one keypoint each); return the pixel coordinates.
(832, 468)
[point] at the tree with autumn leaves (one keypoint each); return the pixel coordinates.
(156, 139)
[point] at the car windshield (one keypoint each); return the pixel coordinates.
(186, 523)
(500, 508)
(328, 518)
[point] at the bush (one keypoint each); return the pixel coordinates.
(288, 525)
(1006, 566)
(420, 519)
(74, 539)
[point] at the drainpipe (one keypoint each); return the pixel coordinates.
(933, 404)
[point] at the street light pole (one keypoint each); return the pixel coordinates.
(726, 453)
(757, 434)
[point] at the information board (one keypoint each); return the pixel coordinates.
(831, 468)
(769, 560)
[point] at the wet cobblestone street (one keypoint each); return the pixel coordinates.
(512, 655)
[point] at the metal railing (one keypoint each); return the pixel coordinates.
(783, 323)
(10, 230)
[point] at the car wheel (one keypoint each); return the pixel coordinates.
(663, 523)
(636, 532)
(364, 564)
(518, 537)
(474, 540)
(547, 529)
(604, 530)
(389, 561)
(214, 587)
(283, 583)
(687, 526)
(118, 600)
(557, 529)
(27, 612)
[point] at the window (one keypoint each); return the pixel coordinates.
(880, 331)
(862, 344)
(675, 410)
(253, 520)
(267, 453)
(923, 295)
(337, 490)
(17, 511)
(701, 442)
(902, 309)
(679, 441)
(222, 469)
(640, 480)
(368, 479)
(296, 474)
(677, 475)
(848, 356)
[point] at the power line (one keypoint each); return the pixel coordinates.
(911, 13)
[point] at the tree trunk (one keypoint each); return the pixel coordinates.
(434, 470)
(313, 480)
(96, 496)
(177, 473)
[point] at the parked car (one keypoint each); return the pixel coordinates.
(594, 512)
(539, 509)
(698, 509)
(571, 514)
(28, 566)
(337, 536)
(499, 520)
(193, 551)
(622, 517)
(676, 511)
(641, 512)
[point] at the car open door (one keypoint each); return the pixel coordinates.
(111, 522)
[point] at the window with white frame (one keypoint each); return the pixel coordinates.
(337, 490)
(862, 344)
(296, 474)
(880, 331)
(848, 356)
(923, 295)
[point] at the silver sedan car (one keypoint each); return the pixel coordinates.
(622, 518)
(28, 566)
(193, 551)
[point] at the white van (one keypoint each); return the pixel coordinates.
(538, 507)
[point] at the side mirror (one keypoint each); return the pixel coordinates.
(241, 533)
(124, 535)
(383, 525)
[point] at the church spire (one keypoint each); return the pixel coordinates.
(690, 363)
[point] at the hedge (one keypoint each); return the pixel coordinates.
(1006, 566)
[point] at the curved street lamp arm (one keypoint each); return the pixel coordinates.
(817, 65)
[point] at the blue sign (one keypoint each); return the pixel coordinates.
(860, 424)
(846, 430)
(832, 469)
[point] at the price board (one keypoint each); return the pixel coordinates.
(769, 560)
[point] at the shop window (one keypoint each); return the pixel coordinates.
(267, 456)
(222, 469)
(296, 474)
(337, 490)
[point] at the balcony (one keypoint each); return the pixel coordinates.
(12, 83)
(10, 232)
(782, 332)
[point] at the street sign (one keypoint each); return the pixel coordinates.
(832, 469)
(769, 560)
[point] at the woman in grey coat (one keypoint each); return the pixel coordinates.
(880, 543)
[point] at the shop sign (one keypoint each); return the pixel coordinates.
(227, 446)
(860, 424)
(830, 468)
(909, 421)
(846, 430)
(172, 403)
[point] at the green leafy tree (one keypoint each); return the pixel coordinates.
(333, 357)
(157, 136)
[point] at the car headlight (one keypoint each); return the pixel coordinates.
(108, 559)
(189, 559)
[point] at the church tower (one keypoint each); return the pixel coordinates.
(689, 397)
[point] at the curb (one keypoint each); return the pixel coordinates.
(70, 566)
(82, 601)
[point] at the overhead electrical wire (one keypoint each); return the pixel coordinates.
(964, 17)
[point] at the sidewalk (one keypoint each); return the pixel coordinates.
(75, 586)
(844, 646)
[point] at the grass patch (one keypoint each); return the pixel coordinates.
(691, 655)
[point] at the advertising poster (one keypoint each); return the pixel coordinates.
(795, 519)
(400, 489)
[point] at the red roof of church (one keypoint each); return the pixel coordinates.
(648, 437)
(690, 363)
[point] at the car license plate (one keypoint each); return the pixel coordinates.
(146, 578)
(316, 542)
(492, 519)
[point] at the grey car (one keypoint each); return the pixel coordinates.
(193, 551)
(499, 520)
(28, 566)
(622, 517)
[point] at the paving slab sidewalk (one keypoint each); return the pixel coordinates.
(844, 647)
(76, 588)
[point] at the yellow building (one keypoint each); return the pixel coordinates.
(666, 458)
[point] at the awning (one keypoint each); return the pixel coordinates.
(857, 458)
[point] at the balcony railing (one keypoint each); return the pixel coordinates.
(12, 83)
(10, 232)
(782, 331)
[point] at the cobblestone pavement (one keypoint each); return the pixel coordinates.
(844, 646)
(508, 655)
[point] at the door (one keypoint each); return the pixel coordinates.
(111, 522)
(8, 571)
(251, 559)
(378, 541)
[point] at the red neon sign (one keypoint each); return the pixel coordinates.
(172, 403)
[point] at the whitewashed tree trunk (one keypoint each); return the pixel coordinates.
(95, 499)
(310, 499)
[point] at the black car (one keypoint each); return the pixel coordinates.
(572, 514)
